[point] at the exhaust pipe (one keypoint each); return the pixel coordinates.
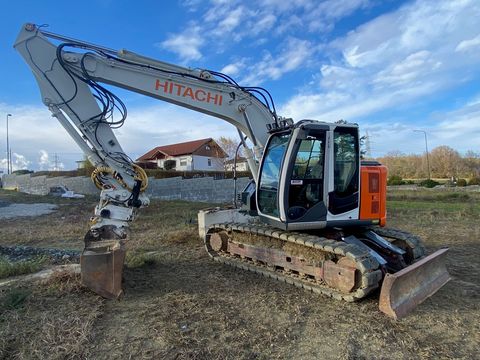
(101, 266)
(406, 289)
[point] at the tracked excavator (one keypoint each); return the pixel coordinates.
(313, 216)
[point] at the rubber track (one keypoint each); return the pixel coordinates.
(413, 241)
(368, 266)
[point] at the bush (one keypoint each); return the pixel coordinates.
(461, 182)
(395, 180)
(22, 172)
(429, 183)
(474, 181)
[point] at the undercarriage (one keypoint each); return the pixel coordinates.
(331, 263)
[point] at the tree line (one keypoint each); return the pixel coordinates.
(444, 162)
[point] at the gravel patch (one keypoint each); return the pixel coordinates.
(20, 210)
(23, 253)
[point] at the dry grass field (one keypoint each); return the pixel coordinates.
(178, 304)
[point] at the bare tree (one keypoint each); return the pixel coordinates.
(471, 162)
(446, 162)
(229, 145)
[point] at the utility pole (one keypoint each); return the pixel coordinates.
(56, 163)
(426, 150)
(368, 147)
(8, 150)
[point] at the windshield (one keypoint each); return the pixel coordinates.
(270, 174)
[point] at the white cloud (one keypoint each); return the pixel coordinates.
(413, 67)
(231, 21)
(466, 45)
(18, 162)
(186, 45)
(162, 124)
(392, 61)
(323, 16)
(32, 128)
(295, 53)
(46, 163)
(191, 5)
(264, 24)
(223, 23)
(454, 129)
(234, 69)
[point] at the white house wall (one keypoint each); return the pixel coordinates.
(201, 163)
(187, 159)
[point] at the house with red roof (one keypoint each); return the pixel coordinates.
(197, 155)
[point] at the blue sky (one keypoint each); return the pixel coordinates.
(391, 66)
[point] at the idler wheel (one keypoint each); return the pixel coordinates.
(218, 242)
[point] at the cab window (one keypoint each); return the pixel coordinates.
(346, 161)
(270, 174)
(306, 181)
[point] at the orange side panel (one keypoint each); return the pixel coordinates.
(373, 193)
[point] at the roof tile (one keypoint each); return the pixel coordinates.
(175, 149)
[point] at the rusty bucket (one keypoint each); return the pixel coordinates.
(403, 291)
(101, 266)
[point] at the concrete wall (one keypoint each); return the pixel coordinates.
(205, 189)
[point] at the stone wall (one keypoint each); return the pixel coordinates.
(205, 189)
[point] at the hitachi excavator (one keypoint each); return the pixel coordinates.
(314, 214)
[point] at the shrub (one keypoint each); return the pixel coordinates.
(429, 183)
(395, 180)
(461, 182)
(474, 181)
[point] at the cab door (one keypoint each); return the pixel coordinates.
(304, 195)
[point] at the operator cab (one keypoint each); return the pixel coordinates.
(309, 176)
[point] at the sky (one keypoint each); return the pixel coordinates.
(390, 66)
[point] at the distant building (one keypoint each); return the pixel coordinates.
(81, 164)
(197, 155)
(241, 164)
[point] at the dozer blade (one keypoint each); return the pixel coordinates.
(403, 291)
(101, 266)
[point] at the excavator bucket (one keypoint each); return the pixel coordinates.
(403, 291)
(101, 266)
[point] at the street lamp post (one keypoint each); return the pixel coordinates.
(426, 150)
(8, 149)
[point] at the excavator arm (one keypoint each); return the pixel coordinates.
(70, 75)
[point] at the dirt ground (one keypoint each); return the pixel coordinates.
(178, 304)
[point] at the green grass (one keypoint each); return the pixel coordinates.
(139, 259)
(429, 195)
(469, 208)
(8, 268)
(13, 299)
(431, 202)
